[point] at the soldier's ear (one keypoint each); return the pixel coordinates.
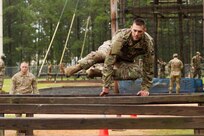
(145, 29)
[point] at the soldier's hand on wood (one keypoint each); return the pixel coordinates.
(143, 93)
(105, 91)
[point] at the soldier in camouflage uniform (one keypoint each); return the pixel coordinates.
(120, 64)
(24, 82)
(196, 65)
(162, 65)
(49, 72)
(2, 72)
(61, 70)
(175, 66)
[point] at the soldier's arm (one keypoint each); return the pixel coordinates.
(148, 64)
(116, 45)
(192, 61)
(34, 85)
(169, 66)
(181, 65)
(108, 70)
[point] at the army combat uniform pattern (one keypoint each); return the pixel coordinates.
(175, 67)
(2, 72)
(196, 63)
(120, 64)
(120, 54)
(162, 65)
(24, 84)
(96, 56)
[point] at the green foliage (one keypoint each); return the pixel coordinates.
(29, 27)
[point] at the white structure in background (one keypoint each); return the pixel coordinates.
(1, 27)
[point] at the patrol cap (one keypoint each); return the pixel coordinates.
(175, 55)
(198, 53)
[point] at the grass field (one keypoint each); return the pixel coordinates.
(7, 85)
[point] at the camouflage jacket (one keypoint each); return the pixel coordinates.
(2, 68)
(24, 84)
(196, 61)
(124, 49)
(175, 67)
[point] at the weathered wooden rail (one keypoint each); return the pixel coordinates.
(183, 111)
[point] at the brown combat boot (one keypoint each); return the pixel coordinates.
(91, 73)
(72, 69)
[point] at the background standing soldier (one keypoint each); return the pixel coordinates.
(49, 72)
(162, 65)
(24, 82)
(175, 67)
(196, 65)
(61, 69)
(2, 73)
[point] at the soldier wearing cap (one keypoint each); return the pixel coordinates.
(175, 66)
(119, 60)
(196, 65)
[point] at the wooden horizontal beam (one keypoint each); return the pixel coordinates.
(162, 9)
(110, 99)
(102, 109)
(101, 123)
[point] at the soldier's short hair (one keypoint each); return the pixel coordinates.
(139, 21)
(175, 55)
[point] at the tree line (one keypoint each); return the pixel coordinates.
(29, 25)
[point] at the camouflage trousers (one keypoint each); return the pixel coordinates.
(127, 71)
(197, 72)
(24, 132)
(122, 70)
(162, 74)
(1, 81)
(174, 79)
(95, 56)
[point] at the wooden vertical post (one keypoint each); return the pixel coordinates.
(114, 28)
(199, 131)
(114, 21)
(1, 131)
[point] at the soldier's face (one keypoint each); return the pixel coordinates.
(137, 31)
(24, 68)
